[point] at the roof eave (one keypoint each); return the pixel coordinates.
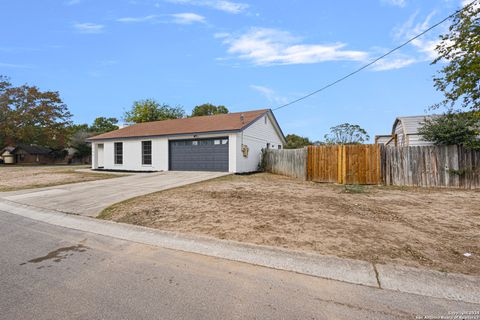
(92, 139)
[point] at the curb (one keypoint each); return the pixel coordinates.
(399, 278)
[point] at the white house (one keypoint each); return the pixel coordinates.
(230, 142)
(405, 132)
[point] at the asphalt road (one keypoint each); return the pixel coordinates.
(49, 272)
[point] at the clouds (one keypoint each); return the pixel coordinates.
(88, 27)
(222, 5)
(425, 44)
(269, 94)
(14, 65)
(148, 18)
(265, 46)
(394, 63)
(396, 3)
(187, 18)
(178, 18)
(72, 2)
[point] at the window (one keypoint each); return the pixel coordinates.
(118, 149)
(224, 141)
(279, 147)
(206, 142)
(265, 117)
(146, 152)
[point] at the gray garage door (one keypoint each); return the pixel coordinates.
(199, 155)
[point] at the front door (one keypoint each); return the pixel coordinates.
(100, 156)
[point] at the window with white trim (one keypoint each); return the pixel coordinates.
(146, 152)
(118, 150)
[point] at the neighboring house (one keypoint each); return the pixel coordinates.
(7, 156)
(27, 154)
(405, 132)
(383, 139)
(230, 142)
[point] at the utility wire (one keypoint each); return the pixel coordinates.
(377, 59)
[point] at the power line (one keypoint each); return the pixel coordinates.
(377, 59)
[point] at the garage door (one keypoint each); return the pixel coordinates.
(199, 155)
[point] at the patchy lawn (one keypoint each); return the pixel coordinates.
(429, 228)
(25, 177)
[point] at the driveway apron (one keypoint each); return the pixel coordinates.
(90, 198)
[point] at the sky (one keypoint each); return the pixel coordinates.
(101, 55)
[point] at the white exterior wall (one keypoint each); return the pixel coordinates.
(132, 152)
(417, 140)
(400, 134)
(256, 137)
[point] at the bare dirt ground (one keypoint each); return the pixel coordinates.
(25, 177)
(430, 228)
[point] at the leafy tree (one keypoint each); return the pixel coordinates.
(29, 115)
(150, 110)
(4, 110)
(459, 79)
(295, 141)
(346, 134)
(103, 124)
(208, 109)
(78, 141)
(453, 129)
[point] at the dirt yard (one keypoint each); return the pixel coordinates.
(26, 177)
(430, 228)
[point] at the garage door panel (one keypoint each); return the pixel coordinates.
(199, 155)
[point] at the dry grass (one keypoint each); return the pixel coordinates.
(417, 227)
(25, 177)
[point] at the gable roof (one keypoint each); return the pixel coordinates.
(411, 124)
(202, 124)
(7, 148)
(32, 149)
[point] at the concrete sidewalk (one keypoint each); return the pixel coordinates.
(90, 198)
(404, 279)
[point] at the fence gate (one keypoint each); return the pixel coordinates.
(346, 164)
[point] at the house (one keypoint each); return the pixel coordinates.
(27, 154)
(7, 156)
(405, 132)
(383, 138)
(230, 142)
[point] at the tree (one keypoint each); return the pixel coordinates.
(295, 141)
(346, 134)
(78, 141)
(31, 116)
(150, 110)
(453, 129)
(208, 109)
(4, 110)
(103, 124)
(459, 79)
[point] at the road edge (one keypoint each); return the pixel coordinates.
(383, 276)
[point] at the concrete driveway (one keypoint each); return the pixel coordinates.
(90, 198)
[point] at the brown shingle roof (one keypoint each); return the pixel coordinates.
(221, 122)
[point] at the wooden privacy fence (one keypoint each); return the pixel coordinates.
(425, 166)
(289, 162)
(346, 164)
(431, 166)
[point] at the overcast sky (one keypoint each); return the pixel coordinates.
(102, 55)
